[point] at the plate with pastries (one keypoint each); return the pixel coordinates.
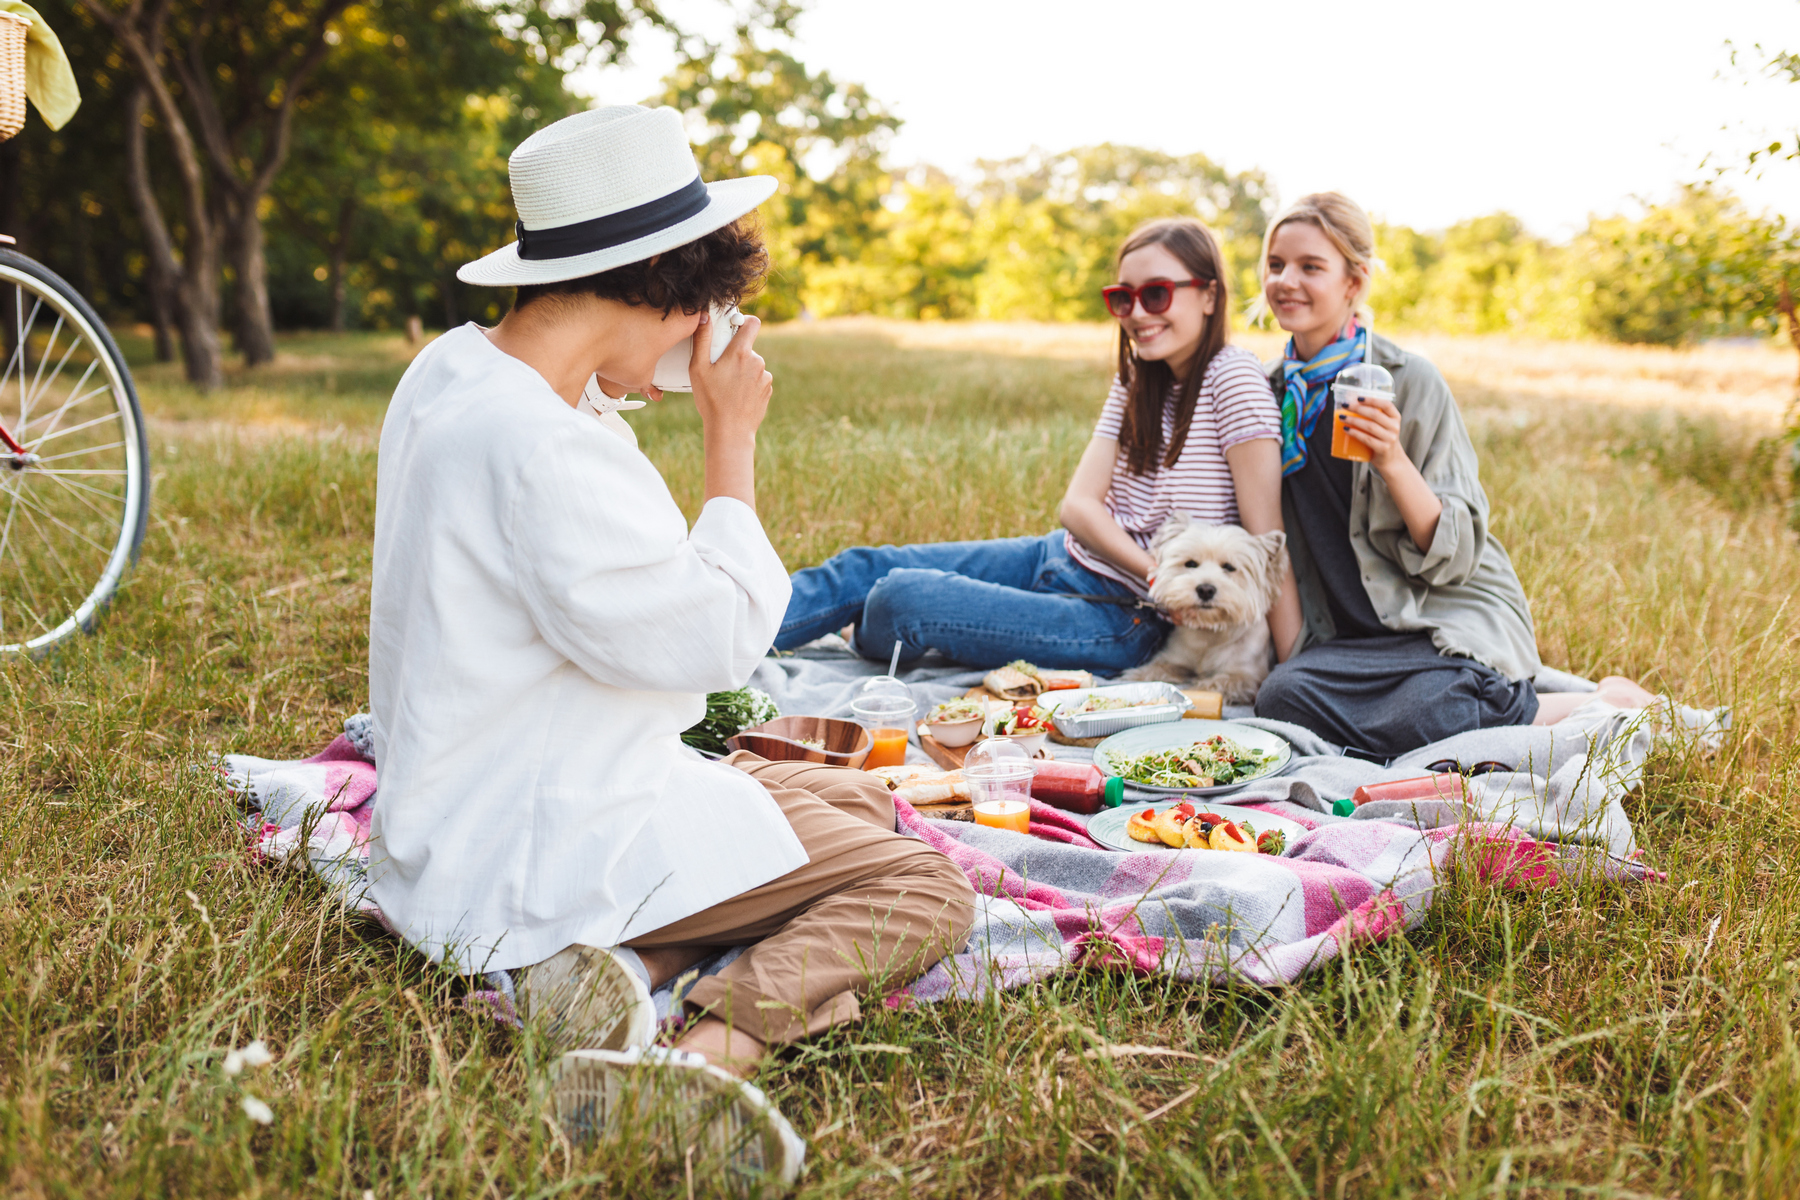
(1193, 824)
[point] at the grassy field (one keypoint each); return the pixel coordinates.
(1589, 1040)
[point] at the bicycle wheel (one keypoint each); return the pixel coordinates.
(74, 461)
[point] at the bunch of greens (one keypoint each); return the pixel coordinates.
(726, 714)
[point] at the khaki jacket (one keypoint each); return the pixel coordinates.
(1462, 589)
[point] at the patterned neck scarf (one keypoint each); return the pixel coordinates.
(1309, 391)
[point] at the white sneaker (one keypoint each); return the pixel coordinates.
(722, 1116)
(588, 996)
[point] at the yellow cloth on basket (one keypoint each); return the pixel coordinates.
(49, 82)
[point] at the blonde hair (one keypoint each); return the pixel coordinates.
(1345, 225)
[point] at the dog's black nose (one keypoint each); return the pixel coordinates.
(1206, 591)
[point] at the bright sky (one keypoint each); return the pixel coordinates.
(1550, 109)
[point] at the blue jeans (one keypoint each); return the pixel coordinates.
(980, 603)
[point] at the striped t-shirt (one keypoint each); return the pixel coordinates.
(1235, 405)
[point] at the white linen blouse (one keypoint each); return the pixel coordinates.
(543, 626)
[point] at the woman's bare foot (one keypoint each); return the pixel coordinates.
(730, 1049)
(1616, 690)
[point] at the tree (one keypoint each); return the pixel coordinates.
(754, 108)
(1699, 266)
(223, 81)
(228, 142)
(395, 101)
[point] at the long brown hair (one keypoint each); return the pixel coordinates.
(1147, 382)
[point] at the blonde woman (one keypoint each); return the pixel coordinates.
(1415, 626)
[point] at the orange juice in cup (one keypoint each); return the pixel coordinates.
(884, 706)
(889, 749)
(1355, 384)
(1004, 814)
(999, 775)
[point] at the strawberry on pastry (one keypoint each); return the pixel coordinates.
(1171, 825)
(1140, 827)
(1229, 837)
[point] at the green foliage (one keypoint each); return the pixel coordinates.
(1699, 266)
(755, 109)
(1036, 237)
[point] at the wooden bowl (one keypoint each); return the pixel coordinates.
(845, 743)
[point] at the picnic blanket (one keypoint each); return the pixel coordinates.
(1057, 899)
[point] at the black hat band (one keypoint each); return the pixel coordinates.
(614, 229)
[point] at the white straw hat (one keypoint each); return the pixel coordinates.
(604, 188)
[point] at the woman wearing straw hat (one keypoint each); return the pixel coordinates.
(544, 625)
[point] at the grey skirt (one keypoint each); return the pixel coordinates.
(1380, 697)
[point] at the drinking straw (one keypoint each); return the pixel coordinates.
(894, 662)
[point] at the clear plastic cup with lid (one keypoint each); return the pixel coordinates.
(999, 774)
(885, 707)
(1354, 384)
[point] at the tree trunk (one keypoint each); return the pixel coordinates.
(194, 310)
(195, 278)
(198, 313)
(162, 307)
(255, 326)
(340, 250)
(173, 294)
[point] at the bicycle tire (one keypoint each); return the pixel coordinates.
(32, 291)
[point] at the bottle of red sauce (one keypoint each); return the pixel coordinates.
(1075, 786)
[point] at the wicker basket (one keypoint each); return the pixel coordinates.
(13, 32)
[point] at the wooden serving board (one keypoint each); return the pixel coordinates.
(951, 758)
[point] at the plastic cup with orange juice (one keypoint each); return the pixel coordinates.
(999, 774)
(1355, 384)
(884, 706)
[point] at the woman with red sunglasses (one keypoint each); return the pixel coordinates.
(1189, 426)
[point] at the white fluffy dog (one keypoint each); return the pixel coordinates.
(1216, 583)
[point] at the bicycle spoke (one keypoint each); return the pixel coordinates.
(49, 349)
(6, 537)
(73, 399)
(75, 471)
(70, 487)
(74, 344)
(25, 576)
(74, 453)
(118, 497)
(111, 416)
(50, 516)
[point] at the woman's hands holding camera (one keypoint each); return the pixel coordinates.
(732, 397)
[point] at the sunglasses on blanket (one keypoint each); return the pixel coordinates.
(1449, 766)
(1155, 297)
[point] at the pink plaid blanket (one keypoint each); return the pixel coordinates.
(1055, 899)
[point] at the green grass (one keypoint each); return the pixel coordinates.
(1587, 1040)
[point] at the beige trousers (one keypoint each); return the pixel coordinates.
(870, 912)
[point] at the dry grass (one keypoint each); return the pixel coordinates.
(1588, 1040)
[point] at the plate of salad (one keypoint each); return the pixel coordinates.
(1201, 758)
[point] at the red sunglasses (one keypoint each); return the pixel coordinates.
(1155, 296)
